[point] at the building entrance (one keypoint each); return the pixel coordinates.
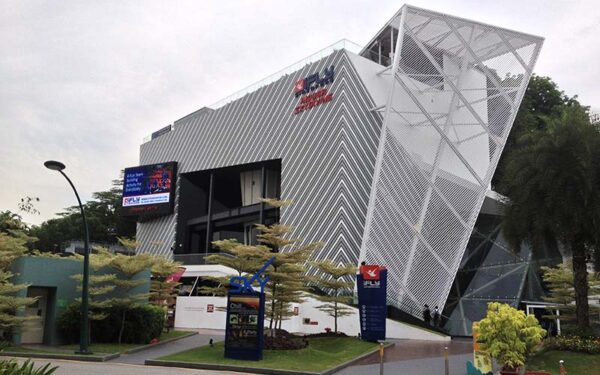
(33, 333)
(224, 203)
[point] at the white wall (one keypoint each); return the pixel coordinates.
(192, 313)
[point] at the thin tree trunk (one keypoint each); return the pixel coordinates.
(280, 319)
(580, 280)
(272, 309)
(122, 325)
(335, 311)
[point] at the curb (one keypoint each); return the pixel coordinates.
(69, 357)
(149, 346)
(259, 370)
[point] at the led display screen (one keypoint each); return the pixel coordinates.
(149, 190)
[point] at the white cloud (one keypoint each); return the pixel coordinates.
(84, 82)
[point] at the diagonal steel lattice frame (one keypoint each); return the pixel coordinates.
(455, 88)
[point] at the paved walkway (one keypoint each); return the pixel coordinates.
(415, 357)
(407, 357)
(421, 366)
(415, 349)
(133, 364)
(170, 348)
(108, 368)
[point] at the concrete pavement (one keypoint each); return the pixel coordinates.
(108, 368)
(421, 366)
(173, 347)
(408, 357)
(133, 364)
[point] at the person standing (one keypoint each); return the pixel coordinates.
(427, 315)
(436, 317)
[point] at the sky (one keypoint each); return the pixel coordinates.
(84, 82)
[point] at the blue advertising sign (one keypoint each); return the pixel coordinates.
(372, 303)
(244, 330)
(241, 284)
(149, 189)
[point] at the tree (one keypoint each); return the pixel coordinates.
(508, 335)
(553, 183)
(287, 273)
(543, 100)
(103, 213)
(11, 248)
(163, 291)
(27, 205)
(560, 283)
(127, 268)
(11, 222)
(333, 280)
(100, 283)
(242, 258)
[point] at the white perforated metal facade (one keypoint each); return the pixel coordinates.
(455, 87)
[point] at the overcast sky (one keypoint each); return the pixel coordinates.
(84, 81)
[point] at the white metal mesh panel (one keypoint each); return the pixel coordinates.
(455, 87)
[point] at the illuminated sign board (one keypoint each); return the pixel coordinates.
(149, 190)
(312, 90)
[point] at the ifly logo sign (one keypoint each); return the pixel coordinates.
(241, 284)
(370, 272)
(314, 81)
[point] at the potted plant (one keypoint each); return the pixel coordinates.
(509, 336)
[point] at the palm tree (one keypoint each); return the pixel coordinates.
(552, 180)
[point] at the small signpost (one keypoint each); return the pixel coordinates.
(372, 302)
(244, 330)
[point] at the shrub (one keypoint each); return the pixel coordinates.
(143, 323)
(573, 330)
(508, 335)
(12, 367)
(590, 345)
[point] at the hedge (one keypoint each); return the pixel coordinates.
(589, 345)
(142, 324)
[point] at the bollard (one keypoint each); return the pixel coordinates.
(561, 367)
(446, 363)
(381, 354)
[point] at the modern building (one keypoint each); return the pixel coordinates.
(388, 152)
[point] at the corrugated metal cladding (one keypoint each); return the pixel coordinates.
(327, 156)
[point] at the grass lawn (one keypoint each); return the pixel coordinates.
(322, 353)
(575, 363)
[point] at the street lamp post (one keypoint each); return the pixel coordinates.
(84, 338)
